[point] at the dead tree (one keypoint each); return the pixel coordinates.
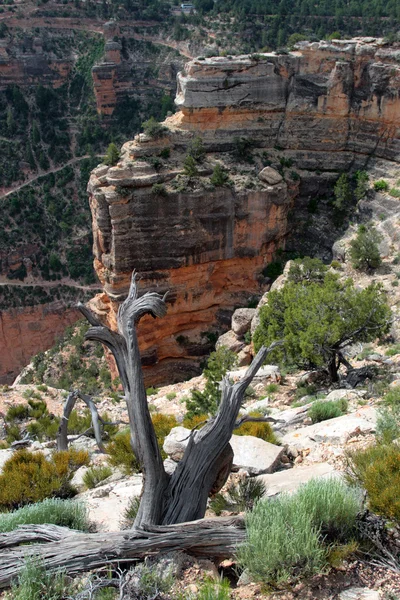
(205, 466)
(60, 548)
(62, 433)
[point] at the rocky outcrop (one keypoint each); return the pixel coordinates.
(27, 331)
(311, 113)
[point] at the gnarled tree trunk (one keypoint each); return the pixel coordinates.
(206, 463)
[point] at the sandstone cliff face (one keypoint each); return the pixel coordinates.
(325, 107)
(25, 332)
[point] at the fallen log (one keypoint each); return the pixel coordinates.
(76, 552)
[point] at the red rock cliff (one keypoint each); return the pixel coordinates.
(324, 106)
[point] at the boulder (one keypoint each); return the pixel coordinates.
(357, 593)
(107, 503)
(250, 453)
(266, 372)
(244, 357)
(344, 393)
(170, 466)
(270, 176)
(77, 480)
(290, 480)
(241, 320)
(261, 406)
(254, 455)
(175, 443)
(334, 431)
(230, 341)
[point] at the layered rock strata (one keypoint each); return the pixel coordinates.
(315, 112)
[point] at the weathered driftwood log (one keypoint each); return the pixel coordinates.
(76, 552)
(62, 433)
(205, 465)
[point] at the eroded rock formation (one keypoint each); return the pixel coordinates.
(315, 112)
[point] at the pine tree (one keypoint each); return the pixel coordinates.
(112, 155)
(364, 249)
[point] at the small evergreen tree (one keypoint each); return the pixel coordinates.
(207, 402)
(316, 321)
(342, 191)
(112, 156)
(219, 176)
(196, 149)
(153, 128)
(361, 185)
(364, 249)
(190, 166)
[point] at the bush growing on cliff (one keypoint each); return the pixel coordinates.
(190, 166)
(219, 176)
(364, 249)
(196, 149)
(343, 193)
(362, 184)
(112, 156)
(316, 321)
(206, 402)
(153, 128)
(381, 185)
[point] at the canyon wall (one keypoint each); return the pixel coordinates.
(314, 112)
(25, 332)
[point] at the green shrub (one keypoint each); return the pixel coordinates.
(171, 395)
(120, 453)
(207, 401)
(288, 536)
(335, 264)
(190, 166)
(196, 149)
(364, 248)
(395, 192)
(153, 128)
(377, 470)
(112, 156)
(392, 398)
(257, 429)
(213, 590)
(282, 542)
(29, 477)
(165, 153)
(65, 513)
(194, 421)
(18, 412)
(388, 425)
(239, 498)
(34, 583)
(13, 433)
(333, 506)
(272, 388)
(219, 176)
(152, 391)
(322, 410)
(343, 193)
(381, 185)
(96, 475)
(150, 582)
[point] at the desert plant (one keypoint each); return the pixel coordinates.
(316, 321)
(214, 590)
(171, 395)
(381, 185)
(18, 412)
(29, 477)
(96, 475)
(377, 470)
(120, 453)
(388, 425)
(162, 426)
(150, 581)
(321, 410)
(272, 388)
(361, 185)
(190, 166)
(239, 498)
(207, 401)
(333, 506)
(364, 248)
(343, 193)
(112, 155)
(282, 542)
(196, 149)
(35, 583)
(257, 429)
(219, 176)
(153, 128)
(288, 535)
(65, 513)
